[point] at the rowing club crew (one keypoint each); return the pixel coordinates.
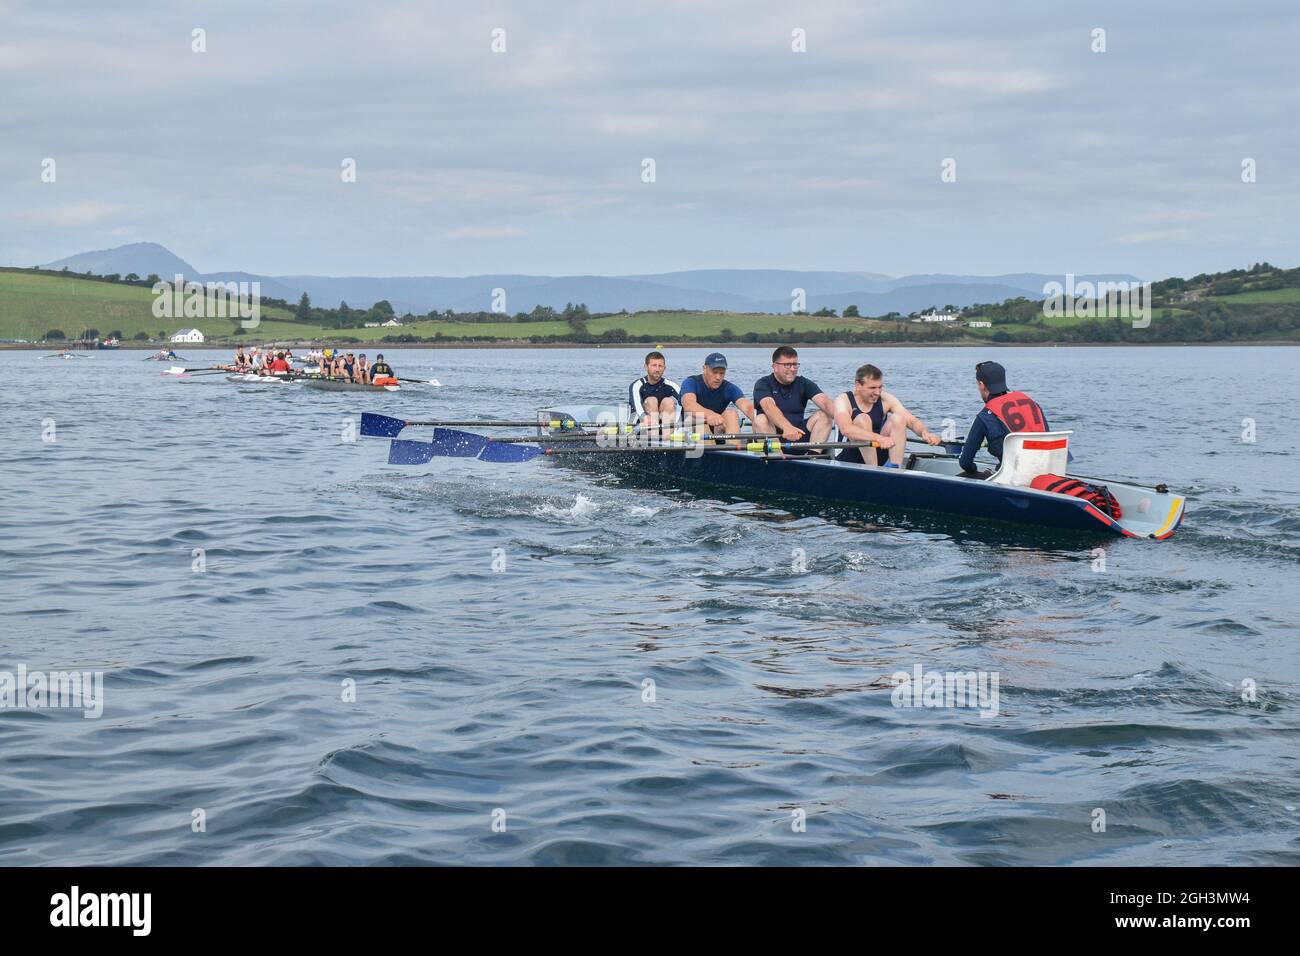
(330, 363)
(865, 412)
(345, 367)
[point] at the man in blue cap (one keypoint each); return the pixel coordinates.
(1003, 412)
(708, 398)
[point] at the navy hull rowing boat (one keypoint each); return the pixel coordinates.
(929, 483)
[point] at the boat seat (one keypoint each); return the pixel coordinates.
(1026, 455)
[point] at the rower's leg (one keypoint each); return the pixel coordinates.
(895, 428)
(667, 416)
(731, 424)
(819, 427)
(762, 426)
(650, 424)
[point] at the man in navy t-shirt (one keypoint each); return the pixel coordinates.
(708, 397)
(782, 399)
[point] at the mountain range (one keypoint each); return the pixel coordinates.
(730, 290)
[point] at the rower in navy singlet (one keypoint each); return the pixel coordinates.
(869, 413)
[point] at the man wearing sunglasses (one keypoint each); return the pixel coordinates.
(1004, 412)
(782, 398)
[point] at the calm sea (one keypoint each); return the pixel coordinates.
(311, 657)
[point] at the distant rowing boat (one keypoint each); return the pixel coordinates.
(333, 385)
(251, 378)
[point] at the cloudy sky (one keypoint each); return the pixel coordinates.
(530, 160)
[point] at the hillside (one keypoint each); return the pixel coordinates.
(1259, 304)
(731, 290)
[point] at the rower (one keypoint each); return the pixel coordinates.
(381, 373)
(782, 399)
(709, 396)
(362, 371)
(349, 365)
(241, 360)
(654, 399)
(1003, 412)
(326, 362)
(868, 413)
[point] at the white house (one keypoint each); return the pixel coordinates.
(392, 323)
(939, 317)
(188, 335)
(979, 325)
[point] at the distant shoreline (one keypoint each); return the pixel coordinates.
(636, 346)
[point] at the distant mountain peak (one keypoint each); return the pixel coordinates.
(141, 258)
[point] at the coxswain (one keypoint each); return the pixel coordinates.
(381, 373)
(1003, 412)
(708, 397)
(279, 365)
(654, 399)
(782, 400)
(868, 413)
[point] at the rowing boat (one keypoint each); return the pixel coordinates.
(928, 482)
(250, 378)
(333, 385)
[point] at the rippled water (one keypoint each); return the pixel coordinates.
(524, 690)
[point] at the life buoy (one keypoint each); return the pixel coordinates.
(1098, 496)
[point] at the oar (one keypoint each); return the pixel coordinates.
(384, 426)
(448, 443)
(421, 381)
(178, 370)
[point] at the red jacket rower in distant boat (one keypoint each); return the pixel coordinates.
(1004, 412)
(279, 365)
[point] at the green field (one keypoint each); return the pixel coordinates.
(31, 305)
(1266, 297)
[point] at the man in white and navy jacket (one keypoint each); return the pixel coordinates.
(653, 398)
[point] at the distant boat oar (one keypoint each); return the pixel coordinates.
(421, 381)
(178, 370)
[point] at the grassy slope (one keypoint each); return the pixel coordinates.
(32, 304)
(1267, 297)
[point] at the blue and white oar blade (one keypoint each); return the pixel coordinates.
(507, 453)
(456, 444)
(402, 451)
(380, 426)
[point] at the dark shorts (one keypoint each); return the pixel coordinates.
(661, 391)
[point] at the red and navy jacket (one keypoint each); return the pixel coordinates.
(1001, 415)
